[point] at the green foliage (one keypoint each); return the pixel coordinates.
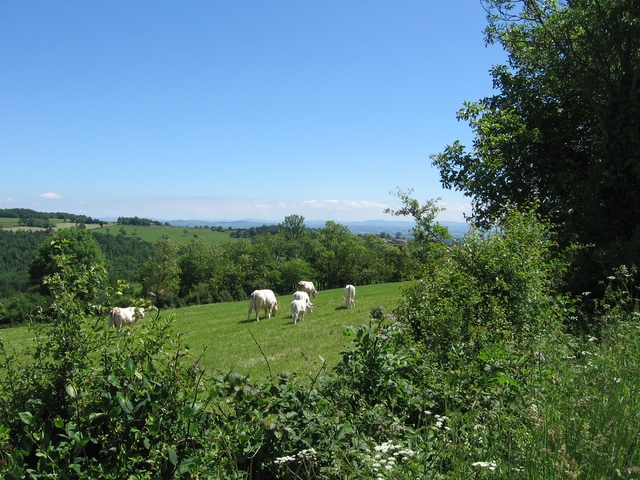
(583, 421)
(471, 377)
(493, 286)
(72, 242)
(292, 228)
(94, 403)
(331, 257)
(27, 216)
(134, 221)
(16, 253)
(159, 274)
(562, 131)
(123, 255)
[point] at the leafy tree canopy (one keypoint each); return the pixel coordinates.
(563, 131)
(73, 242)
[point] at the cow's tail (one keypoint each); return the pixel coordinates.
(111, 318)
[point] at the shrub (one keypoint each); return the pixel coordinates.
(496, 285)
(95, 402)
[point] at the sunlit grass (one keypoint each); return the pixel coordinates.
(588, 425)
(222, 332)
(223, 329)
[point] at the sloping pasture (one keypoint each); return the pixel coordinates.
(148, 234)
(175, 234)
(229, 341)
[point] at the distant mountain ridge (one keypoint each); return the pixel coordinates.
(457, 229)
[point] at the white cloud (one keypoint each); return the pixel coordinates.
(50, 195)
(345, 205)
(454, 211)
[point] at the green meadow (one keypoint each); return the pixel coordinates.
(149, 234)
(175, 234)
(228, 341)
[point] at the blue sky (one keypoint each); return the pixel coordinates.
(238, 109)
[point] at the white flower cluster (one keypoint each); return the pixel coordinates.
(440, 422)
(489, 465)
(306, 454)
(387, 454)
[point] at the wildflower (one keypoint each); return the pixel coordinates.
(308, 453)
(285, 459)
(489, 465)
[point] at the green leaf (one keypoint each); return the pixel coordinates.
(71, 391)
(26, 417)
(58, 422)
(94, 415)
(173, 457)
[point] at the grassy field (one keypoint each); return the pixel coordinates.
(149, 234)
(222, 329)
(8, 222)
(176, 234)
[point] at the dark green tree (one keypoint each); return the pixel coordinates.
(293, 227)
(563, 131)
(338, 261)
(194, 264)
(159, 275)
(75, 243)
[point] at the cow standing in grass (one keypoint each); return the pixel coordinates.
(304, 296)
(263, 300)
(299, 308)
(349, 296)
(308, 287)
(124, 317)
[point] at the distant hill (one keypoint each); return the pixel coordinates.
(457, 229)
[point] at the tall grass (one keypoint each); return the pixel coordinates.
(586, 419)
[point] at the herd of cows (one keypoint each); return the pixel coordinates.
(259, 300)
(300, 305)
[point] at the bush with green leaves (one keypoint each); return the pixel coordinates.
(497, 285)
(95, 402)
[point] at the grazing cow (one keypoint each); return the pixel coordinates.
(299, 308)
(122, 317)
(349, 296)
(304, 296)
(307, 287)
(263, 300)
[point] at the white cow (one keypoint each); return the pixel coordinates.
(307, 287)
(122, 317)
(298, 309)
(349, 296)
(304, 296)
(263, 300)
